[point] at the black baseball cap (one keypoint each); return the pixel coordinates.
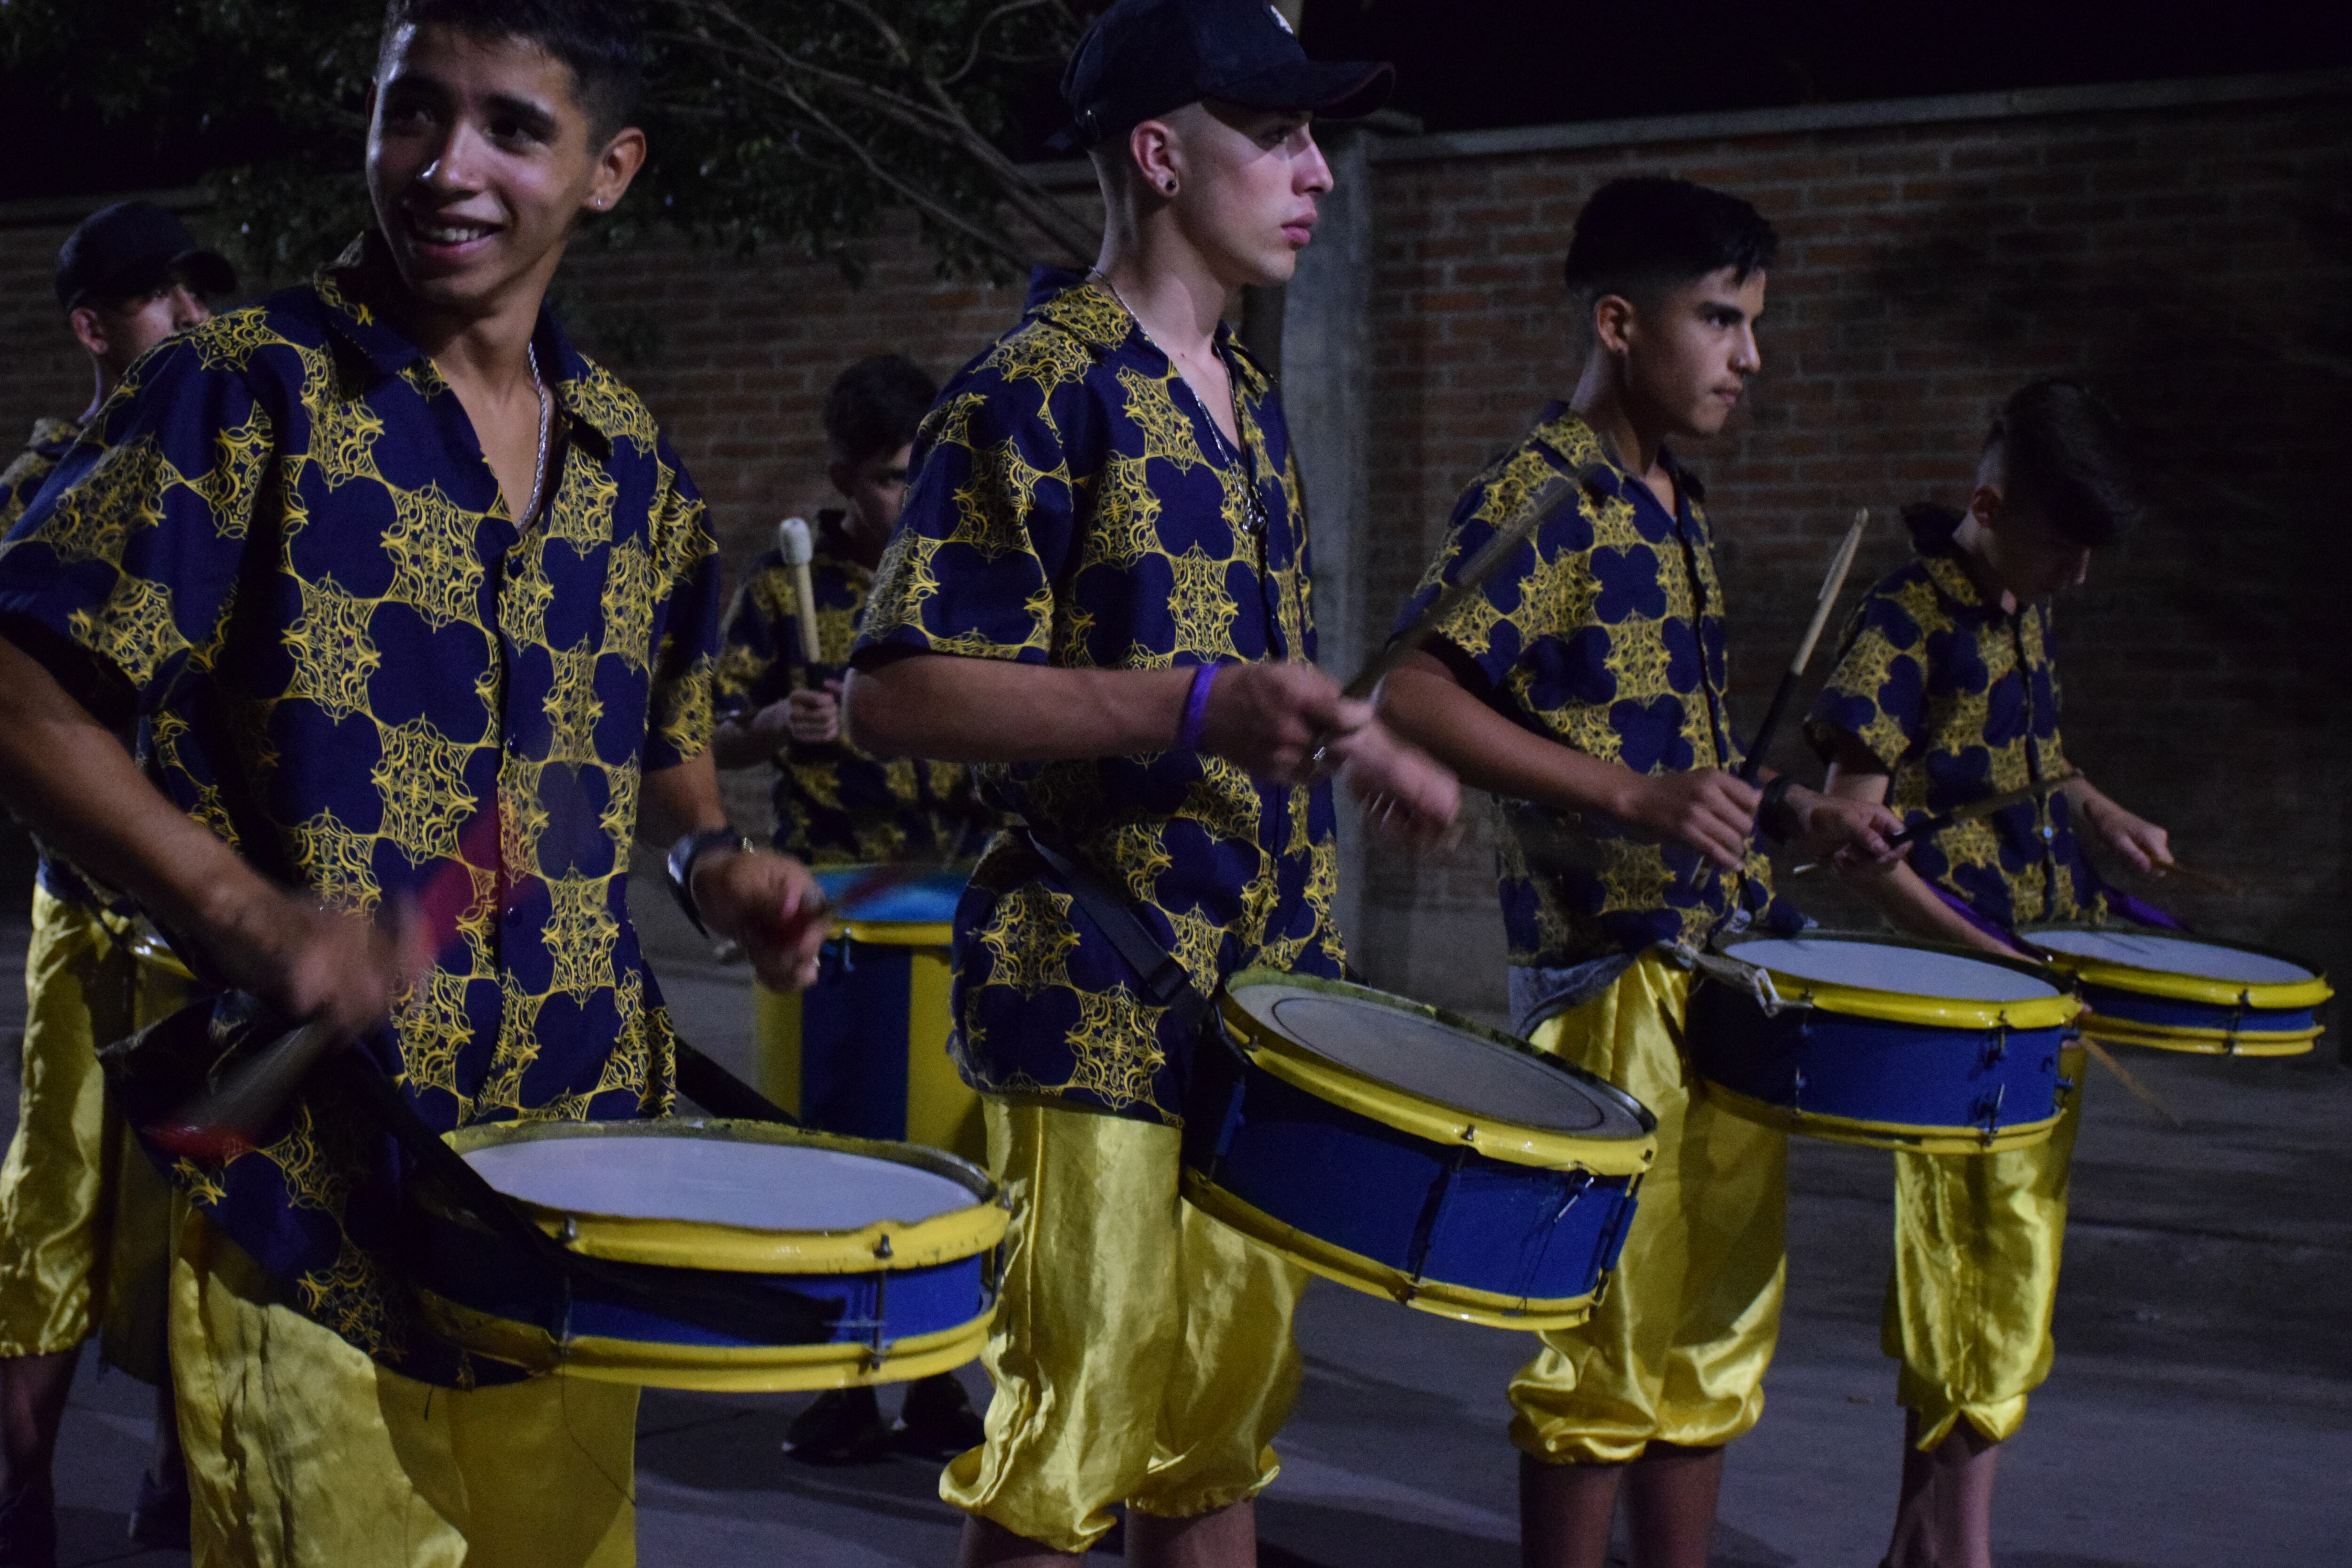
(132, 247)
(1143, 58)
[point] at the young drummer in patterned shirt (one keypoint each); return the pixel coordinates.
(380, 563)
(1585, 687)
(835, 806)
(73, 1211)
(1944, 693)
(1100, 593)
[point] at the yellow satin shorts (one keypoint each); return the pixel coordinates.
(1977, 1244)
(85, 1218)
(303, 1453)
(1677, 1350)
(1141, 1351)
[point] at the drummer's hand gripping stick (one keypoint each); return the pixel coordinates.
(227, 1119)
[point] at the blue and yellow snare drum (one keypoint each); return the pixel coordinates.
(1885, 1041)
(740, 1256)
(2181, 992)
(863, 1052)
(1413, 1154)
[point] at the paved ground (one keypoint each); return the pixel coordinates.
(2201, 1412)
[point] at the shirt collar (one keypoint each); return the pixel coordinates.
(1082, 305)
(1581, 448)
(354, 287)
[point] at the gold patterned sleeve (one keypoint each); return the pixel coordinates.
(989, 522)
(120, 574)
(680, 716)
(1877, 694)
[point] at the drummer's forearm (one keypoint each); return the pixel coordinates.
(68, 778)
(958, 710)
(1910, 905)
(1423, 702)
(676, 801)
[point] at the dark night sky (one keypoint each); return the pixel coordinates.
(1465, 64)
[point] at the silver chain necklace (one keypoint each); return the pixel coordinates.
(1257, 516)
(546, 420)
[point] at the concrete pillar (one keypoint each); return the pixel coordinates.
(1326, 372)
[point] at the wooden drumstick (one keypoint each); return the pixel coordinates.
(1546, 502)
(2198, 879)
(2137, 1090)
(1831, 585)
(793, 542)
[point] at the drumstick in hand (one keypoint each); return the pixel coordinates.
(794, 543)
(1545, 503)
(1840, 564)
(221, 1123)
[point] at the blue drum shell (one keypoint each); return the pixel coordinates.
(1875, 1080)
(2172, 1013)
(471, 1269)
(1426, 1210)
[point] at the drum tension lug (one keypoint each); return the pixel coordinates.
(882, 1247)
(568, 1233)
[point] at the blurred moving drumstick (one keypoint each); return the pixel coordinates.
(794, 543)
(2138, 1090)
(1840, 564)
(2206, 879)
(1541, 506)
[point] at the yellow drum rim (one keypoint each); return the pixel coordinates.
(1897, 1135)
(2202, 1042)
(1360, 1273)
(719, 1369)
(1513, 1143)
(1901, 1007)
(897, 933)
(891, 933)
(2176, 987)
(884, 1246)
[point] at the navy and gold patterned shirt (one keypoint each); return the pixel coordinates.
(834, 805)
(1073, 506)
(22, 479)
(278, 547)
(1605, 632)
(1958, 700)
(19, 483)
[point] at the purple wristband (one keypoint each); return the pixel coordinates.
(1196, 709)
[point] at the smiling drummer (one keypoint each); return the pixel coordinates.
(1585, 686)
(1945, 694)
(375, 561)
(1099, 591)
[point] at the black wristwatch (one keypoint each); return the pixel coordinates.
(1776, 816)
(691, 848)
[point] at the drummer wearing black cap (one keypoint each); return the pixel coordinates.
(1097, 590)
(71, 1214)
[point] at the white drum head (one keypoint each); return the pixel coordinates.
(717, 1181)
(2174, 956)
(1438, 1062)
(1893, 967)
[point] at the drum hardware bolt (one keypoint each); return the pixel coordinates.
(882, 1247)
(1470, 1133)
(569, 1231)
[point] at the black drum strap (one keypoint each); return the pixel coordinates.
(721, 1092)
(1164, 980)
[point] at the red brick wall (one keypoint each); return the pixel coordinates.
(2196, 262)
